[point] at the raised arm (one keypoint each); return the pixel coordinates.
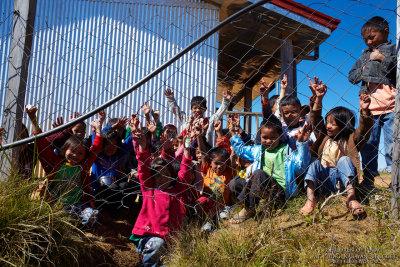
(363, 131)
(227, 97)
(178, 113)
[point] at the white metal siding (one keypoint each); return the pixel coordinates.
(6, 17)
(86, 52)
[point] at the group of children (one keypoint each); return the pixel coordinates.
(181, 175)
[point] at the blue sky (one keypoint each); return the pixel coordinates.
(339, 52)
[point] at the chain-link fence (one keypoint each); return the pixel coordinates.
(297, 102)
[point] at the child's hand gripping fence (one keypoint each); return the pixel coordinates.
(92, 56)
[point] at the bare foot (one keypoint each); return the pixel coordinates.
(355, 207)
(243, 215)
(308, 208)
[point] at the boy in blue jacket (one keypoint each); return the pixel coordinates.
(275, 167)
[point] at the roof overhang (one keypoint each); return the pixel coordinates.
(250, 47)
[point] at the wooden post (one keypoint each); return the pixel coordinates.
(18, 63)
(288, 65)
(247, 108)
(396, 135)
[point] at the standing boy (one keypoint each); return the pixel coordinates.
(376, 70)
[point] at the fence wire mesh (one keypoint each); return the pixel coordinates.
(239, 150)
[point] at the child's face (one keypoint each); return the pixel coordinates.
(332, 128)
(244, 163)
(270, 138)
(373, 38)
(79, 130)
(291, 115)
(199, 155)
(175, 144)
(163, 179)
(198, 110)
(273, 109)
(75, 155)
(218, 164)
(110, 148)
(156, 154)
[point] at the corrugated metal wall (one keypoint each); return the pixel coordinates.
(6, 17)
(86, 52)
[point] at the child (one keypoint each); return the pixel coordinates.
(275, 167)
(68, 173)
(376, 70)
(217, 173)
(338, 145)
(162, 210)
(288, 110)
(198, 106)
(58, 139)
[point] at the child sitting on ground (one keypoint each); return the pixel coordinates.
(162, 210)
(274, 170)
(338, 145)
(376, 70)
(68, 173)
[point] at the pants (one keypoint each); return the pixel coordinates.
(149, 248)
(369, 152)
(260, 186)
(327, 178)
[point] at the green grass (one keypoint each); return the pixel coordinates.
(33, 232)
(289, 239)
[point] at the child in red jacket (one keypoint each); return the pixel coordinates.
(68, 172)
(163, 210)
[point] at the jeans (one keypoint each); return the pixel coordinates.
(327, 178)
(369, 152)
(149, 248)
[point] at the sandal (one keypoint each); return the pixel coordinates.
(357, 212)
(242, 216)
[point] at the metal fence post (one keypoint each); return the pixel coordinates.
(396, 132)
(20, 50)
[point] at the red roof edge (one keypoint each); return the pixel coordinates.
(308, 13)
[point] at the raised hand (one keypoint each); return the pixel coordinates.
(168, 92)
(284, 82)
(228, 94)
(102, 116)
(264, 88)
(59, 121)
(364, 101)
(74, 116)
(320, 90)
(31, 111)
(121, 123)
(132, 121)
(146, 109)
(204, 124)
(314, 84)
(156, 115)
(304, 133)
(218, 126)
(97, 126)
(151, 126)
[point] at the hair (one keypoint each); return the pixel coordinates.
(290, 100)
(272, 123)
(109, 136)
(218, 151)
(80, 122)
(306, 108)
(112, 121)
(377, 23)
(345, 120)
(170, 126)
(159, 163)
(198, 100)
(156, 147)
(74, 141)
(272, 100)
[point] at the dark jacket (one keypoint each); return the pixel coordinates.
(382, 72)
